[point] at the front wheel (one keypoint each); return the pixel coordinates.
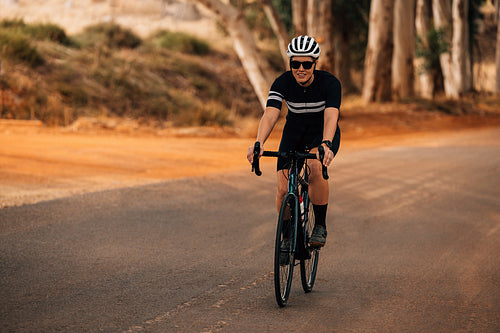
(283, 253)
(309, 266)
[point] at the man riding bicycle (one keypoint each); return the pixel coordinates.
(313, 100)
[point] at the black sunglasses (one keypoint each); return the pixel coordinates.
(306, 64)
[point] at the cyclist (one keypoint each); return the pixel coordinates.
(313, 100)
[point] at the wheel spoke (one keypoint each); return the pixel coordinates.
(284, 257)
(308, 267)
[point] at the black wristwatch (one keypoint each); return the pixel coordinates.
(329, 144)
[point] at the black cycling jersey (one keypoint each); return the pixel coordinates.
(306, 106)
(324, 92)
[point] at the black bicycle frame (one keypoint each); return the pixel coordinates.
(293, 179)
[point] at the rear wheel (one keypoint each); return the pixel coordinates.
(283, 253)
(308, 267)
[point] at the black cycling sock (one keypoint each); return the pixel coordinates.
(320, 215)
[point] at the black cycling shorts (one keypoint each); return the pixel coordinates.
(301, 134)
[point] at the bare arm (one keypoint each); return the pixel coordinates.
(266, 125)
(330, 126)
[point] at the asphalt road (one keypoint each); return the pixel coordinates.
(414, 238)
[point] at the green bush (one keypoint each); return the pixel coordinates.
(213, 114)
(431, 49)
(72, 94)
(110, 34)
(43, 31)
(17, 47)
(12, 24)
(50, 32)
(181, 42)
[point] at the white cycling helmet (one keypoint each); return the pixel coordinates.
(303, 46)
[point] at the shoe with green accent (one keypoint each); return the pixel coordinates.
(318, 237)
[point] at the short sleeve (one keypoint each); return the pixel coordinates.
(334, 93)
(276, 93)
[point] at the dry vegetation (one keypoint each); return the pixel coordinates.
(105, 74)
(168, 78)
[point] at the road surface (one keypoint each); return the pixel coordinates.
(414, 237)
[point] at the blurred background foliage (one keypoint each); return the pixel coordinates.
(168, 79)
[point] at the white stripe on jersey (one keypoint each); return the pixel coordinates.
(279, 99)
(306, 107)
(275, 95)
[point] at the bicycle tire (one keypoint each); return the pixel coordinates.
(283, 271)
(309, 267)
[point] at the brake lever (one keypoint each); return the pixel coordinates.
(255, 163)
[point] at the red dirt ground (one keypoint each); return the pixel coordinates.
(39, 163)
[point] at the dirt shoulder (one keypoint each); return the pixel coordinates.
(39, 163)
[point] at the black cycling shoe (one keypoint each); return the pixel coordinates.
(318, 237)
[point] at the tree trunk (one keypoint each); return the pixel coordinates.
(324, 34)
(497, 55)
(342, 60)
(341, 47)
(256, 67)
(425, 80)
(278, 28)
(404, 49)
(461, 63)
(456, 65)
(377, 72)
(299, 8)
(314, 18)
(441, 12)
(443, 19)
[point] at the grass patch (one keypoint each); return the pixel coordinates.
(42, 31)
(180, 42)
(113, 73)
(17, 47)
(110, 34)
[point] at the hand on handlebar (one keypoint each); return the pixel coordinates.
(251, 150)
(322, 156)
(253, 155)
(256, 151)
(327, 157)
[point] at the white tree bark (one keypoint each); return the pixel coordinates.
(377, 71)
(456, 64)
(314, 18)
(278, 28)
(404, 49)
(425, 80)
(299, 9)
(256, 67)
(441, 12)
(461, 63)
(318, 22)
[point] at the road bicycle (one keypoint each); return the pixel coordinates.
(295, 224)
